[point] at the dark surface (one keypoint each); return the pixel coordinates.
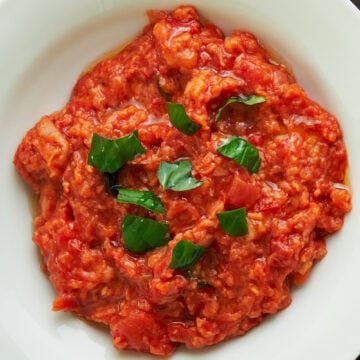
(356, 2)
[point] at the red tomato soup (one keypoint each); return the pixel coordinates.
(237, 178)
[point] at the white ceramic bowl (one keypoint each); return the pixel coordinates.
(45, 44)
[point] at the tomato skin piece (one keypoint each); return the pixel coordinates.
(242, 194)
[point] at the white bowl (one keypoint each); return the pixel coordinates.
(44, 47)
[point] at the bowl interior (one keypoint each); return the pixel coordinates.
(39, 73)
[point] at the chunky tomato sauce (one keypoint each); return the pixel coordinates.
(296, 198)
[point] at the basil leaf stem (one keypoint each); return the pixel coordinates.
(180, 119)
(185, 254)
(247, 100)
(141, 234)
(146, 199)
(177, 176)
(242, 152)
(109, 155)
(233, 222)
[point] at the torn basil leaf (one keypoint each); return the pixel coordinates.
(180, 119)
(142, 234)
(177, 176)
(109, 155)
(185, 254)
(247, 100)
(233, 222)
(241, 151)
(146, 199)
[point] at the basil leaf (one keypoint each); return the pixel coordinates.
(180, 120)
(233, 222)
(146, 199)
(247, 100)
(242, 152)
(142, 234)
(109, 155)
(185, 254)
(177, 176)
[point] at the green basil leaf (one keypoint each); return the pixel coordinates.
(177, 176)
(180, 120)
(109, 155)
(185, 254)
(146, 199)
(141, 234)
(242, 152)
(247, 100)
(233, 222)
